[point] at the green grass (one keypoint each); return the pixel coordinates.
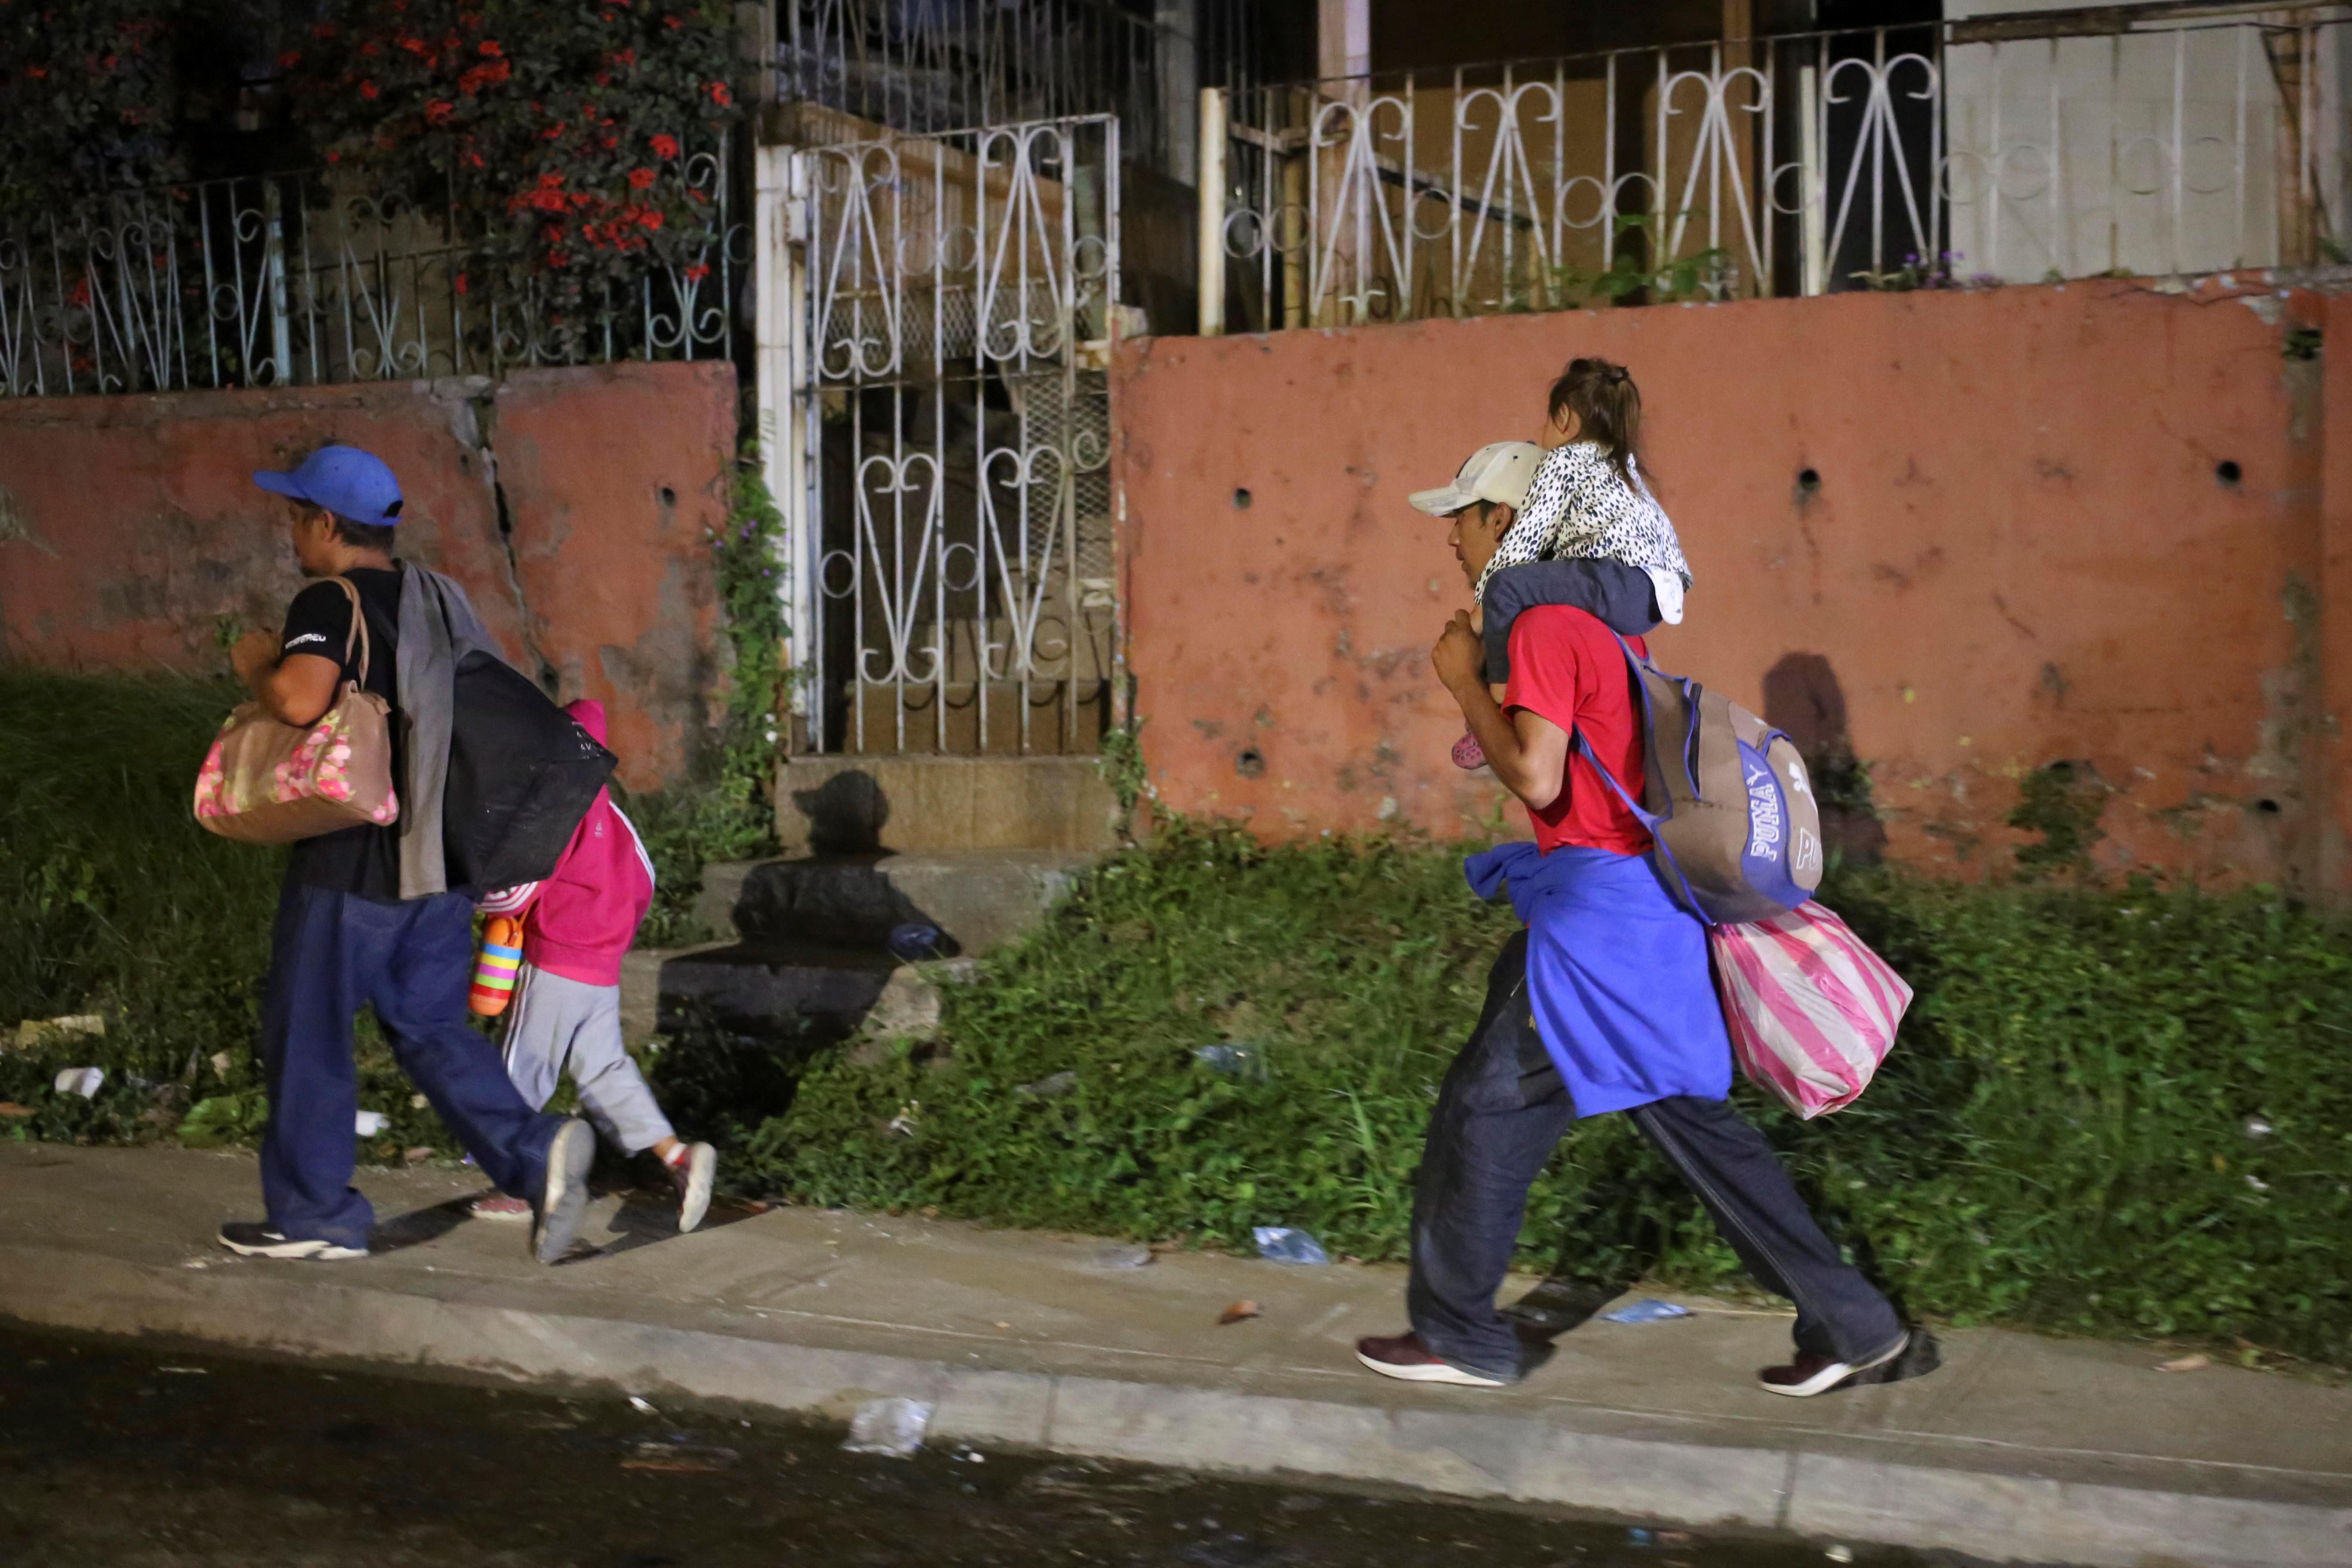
(113, 901)
(2061, 1139)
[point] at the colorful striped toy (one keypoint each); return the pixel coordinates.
(494, 973)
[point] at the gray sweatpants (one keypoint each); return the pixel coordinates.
(559, 1025)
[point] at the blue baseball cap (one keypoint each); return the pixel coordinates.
(355, 486)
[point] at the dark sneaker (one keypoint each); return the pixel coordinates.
(1407, 1357)
(693, 1177)
(249, 1240)
(564, 1197)
(1811, 1374)
(498, 1205)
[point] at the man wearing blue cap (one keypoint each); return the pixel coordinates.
(366, 916)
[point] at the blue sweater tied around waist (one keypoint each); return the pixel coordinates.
(1617, 975)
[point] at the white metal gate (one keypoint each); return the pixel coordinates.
(935, 338)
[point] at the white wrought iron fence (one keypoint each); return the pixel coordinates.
(945, 472)
(292, 280)
(2014, 147)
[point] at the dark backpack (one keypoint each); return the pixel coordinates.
(1725, 796)
(522, 772)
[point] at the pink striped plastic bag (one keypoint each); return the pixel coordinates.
(1811, 1009)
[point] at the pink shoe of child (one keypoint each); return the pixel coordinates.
(498, 1205)
(1468, 753)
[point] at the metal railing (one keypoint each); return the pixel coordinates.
(945, 469)
(287, 279)
(2012, 148)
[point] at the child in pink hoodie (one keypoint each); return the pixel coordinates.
(567, 1002)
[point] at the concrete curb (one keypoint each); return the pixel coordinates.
(1987, 1514)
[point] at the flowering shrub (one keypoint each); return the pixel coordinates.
(87, 89)
(558, 130)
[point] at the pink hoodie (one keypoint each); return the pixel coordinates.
(584, 916)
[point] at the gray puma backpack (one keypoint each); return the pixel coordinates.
(1724, 795)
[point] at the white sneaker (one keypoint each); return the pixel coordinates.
(248, 1239)
(693, 1177)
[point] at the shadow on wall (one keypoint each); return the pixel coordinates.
(845, 813)
(1803, 700)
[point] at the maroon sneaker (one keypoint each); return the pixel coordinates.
(1407, 1357)
(1811, 1374)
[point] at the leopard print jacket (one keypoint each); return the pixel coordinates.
(1577, 508)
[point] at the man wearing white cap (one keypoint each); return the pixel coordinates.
(1603, 1004)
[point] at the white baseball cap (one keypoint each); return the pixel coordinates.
(1499, 473)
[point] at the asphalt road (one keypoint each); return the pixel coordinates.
(138, 1455)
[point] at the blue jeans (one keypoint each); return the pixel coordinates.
(331, 953)
(1501, 1111)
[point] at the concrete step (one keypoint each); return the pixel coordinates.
(806, 992)
(938, 802)
(981, 899)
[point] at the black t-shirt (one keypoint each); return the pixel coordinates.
(364, 859)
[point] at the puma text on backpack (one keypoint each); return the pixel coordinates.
(1739, 836)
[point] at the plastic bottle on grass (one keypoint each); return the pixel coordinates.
(1281, 1244)
(1649, 1309)
(915, 941)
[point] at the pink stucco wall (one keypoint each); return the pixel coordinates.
(2019, 552)
(131, 532)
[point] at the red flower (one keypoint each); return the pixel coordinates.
(471, 81)
(290, 60)
(438, 112)
(367, 90)
(602, 80)
(39, 73)
(418, 47)
(110, 62)
(672, 23)
(625, 58)
(551, 180)
(79, 295)
(720, 95)
(459, 284)
(641, 179)
(664, 146)
(323, 30)
(697, 272)
(490, 48)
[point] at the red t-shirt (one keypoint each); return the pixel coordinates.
(1565, 666)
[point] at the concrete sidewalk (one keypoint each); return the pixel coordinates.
(2021, 1448)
